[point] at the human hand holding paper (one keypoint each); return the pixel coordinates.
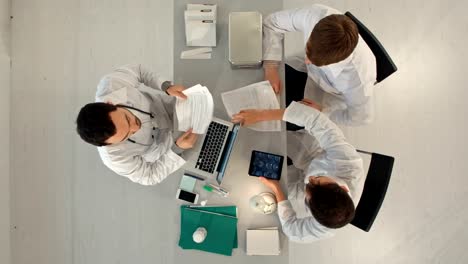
(255, 96)
(177, 90)
(252, 116)
(249, 117)
(195, 112)
(187, 140)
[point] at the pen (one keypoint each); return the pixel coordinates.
(195, 177)
(219, 188)
(214, 213)
(210, 188)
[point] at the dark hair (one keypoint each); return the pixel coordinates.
(332, 40)
(330, 205)
(94, 124)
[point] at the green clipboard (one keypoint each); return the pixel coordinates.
(220, 222)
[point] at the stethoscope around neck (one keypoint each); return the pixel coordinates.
(143, 112)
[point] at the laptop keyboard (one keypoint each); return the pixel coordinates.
(212, 146)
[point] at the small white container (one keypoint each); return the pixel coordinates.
(199, 235)
(264, 203)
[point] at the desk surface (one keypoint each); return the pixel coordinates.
(218, 76)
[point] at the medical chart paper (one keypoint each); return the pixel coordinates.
(196, 111)
(255, 96)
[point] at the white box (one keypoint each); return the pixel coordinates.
(200, 25)
(263, 242)
(245, 39)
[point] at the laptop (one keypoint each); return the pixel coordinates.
(211, 158)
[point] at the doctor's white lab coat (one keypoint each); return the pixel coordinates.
(152, 158)
(348, 84)
(318, 150)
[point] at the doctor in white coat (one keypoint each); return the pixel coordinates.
(335, 57)
(324, 184)
(132, 125)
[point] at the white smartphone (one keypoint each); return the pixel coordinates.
(187, 196)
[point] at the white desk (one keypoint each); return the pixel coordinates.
(218, 76)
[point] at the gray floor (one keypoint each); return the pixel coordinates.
(5, 255)
(66, 207)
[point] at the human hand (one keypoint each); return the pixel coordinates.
(272, 75)
(248, 116)
(272, 184)
(187, 140)
(176, 90)
(311, 103)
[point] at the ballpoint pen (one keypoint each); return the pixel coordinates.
(219, 188)
(195, 177)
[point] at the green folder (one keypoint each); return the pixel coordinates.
(220, 223)
(226, 210)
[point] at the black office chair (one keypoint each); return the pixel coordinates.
(375, 188)
(385, 65)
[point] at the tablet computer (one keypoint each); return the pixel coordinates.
(265, 164)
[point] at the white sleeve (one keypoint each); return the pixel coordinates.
(113, 86)
(359, 110)
(340, 155)
(139, 74)
(357, 85)
(300, 229)
(296, 61)
(138, 170)
(274, 27)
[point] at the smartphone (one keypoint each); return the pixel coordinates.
(265, 164)
(187, 196)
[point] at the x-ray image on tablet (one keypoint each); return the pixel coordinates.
(266, 164)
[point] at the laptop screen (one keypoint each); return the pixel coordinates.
(227, 152)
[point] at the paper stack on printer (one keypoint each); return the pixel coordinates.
(200, 25)
(196, 111)
(255, 96)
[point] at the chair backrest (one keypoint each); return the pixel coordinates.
(375, 188)
(385, 65)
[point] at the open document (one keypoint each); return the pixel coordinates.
(255, 96)
(196, 111)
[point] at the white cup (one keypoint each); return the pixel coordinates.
(199, 235)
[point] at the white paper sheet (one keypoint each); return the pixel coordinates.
(196, 111)
(263, 242)
(192, 52)
(255, 96)
(201, 56)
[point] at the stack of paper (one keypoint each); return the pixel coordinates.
(263, 241)
(196, 111)
(220, 223)
(255, 96)
(199, 53)
(200, 25)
